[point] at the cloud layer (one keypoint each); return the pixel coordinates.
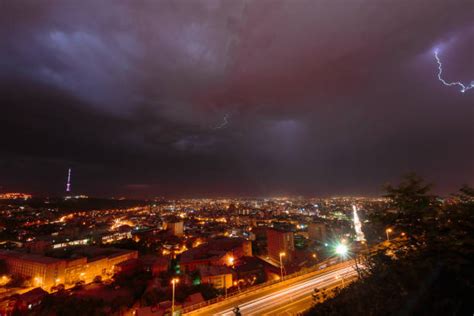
(234, 97)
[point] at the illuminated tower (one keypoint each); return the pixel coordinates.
(357, 225)
(68, 184)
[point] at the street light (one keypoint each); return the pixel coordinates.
(173, 282)
(236, 283)
(341, 250)
(38, 281)
(282, 254)
(388, 231)
(231, 261)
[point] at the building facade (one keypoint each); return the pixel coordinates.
(280, 241)
(217, 252)
(176, 228)
(220, 277)
(47, 272)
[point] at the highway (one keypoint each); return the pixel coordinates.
(289, 298)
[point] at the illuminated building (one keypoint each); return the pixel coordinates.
(218, 252)
(220, 277)
(47, 272)
(176, 228)
(15, 196)
(43, 271)
(280, 241)
(72, 243)
(116, 236)
(43, 244)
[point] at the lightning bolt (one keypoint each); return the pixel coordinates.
(224, 122)
(464, 87)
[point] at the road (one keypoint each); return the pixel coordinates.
(288, 299)
(297, 305)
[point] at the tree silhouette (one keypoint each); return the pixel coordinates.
(430, 274)
(413, 203)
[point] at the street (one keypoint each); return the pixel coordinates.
(290, 298)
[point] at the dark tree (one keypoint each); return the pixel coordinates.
(413, 203)
(429, 275)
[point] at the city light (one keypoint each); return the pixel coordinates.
(15, 196)
(357, 225)
(388, 231)
(217, 143)
(282, 254)
(174, 281)
(38, 281)
(342, 250)
(4, 280)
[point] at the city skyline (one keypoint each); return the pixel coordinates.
(236, 157)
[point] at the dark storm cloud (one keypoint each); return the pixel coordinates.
(312, 97)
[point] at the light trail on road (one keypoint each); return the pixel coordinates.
(303, 288)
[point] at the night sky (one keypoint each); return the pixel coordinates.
(232, 98)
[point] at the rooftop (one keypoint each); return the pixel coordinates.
(215, 248)
(28, 257)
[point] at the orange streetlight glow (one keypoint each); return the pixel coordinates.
(282, 254)
(388, 231)
(173, 283)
